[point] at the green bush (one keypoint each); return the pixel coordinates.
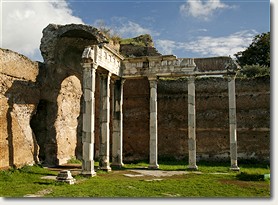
(255, 71)
(73, 160)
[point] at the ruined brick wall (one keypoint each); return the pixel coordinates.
(19, 97)
(253, 118)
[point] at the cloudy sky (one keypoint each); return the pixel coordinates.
(188, 28)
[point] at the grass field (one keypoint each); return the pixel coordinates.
(211, 181)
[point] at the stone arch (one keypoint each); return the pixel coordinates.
(60, 79)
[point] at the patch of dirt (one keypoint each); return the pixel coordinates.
(40, 193)
(159, 173)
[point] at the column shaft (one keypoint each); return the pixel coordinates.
(117, 136)
(153, 124)
(232, 123)
(191, 124)
(104, 122)
(88, 112)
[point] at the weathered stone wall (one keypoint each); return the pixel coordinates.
(40, 106)
(19, 97)
(49, 98)
(212, 111)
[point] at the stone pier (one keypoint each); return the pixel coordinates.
(232, 123)
(117, 136)
(191, 124)
(104, 163)
(88, 134)
(153, 164)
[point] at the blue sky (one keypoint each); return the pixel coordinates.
(189, 28)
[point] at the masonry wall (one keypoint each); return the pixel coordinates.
(19, 97)
(253, 118)
(49, 98)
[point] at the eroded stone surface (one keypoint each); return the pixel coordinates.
(58, 122)
(19, 97)
(65, 176)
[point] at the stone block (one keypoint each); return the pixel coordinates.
(87, 125)
(88, 94)
(65, 176)
(88, 151)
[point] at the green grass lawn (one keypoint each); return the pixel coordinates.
(213, 181)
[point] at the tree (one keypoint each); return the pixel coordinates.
(256, 58)
(258, 52)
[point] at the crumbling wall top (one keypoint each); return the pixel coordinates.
(54, 32)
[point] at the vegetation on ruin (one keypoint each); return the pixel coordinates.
(108, 32)
(142, 40)
(213, 180)
(255, 59)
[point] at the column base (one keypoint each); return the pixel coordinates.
(192, 168)
(156, 166)
(234, 168)
(106, 169)
(89, 173)
(117, 165)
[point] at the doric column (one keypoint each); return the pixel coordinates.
(191, 124)
(232, 123)
(88, 112)
(153, 123)
(104, 122)
(117, 136)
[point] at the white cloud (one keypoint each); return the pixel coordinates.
(202, 9)
(166, 46)
(133, 29)
(129, 29)
(23, 22)
(207, 46)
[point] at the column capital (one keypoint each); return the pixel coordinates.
(152, 78)
(191, 78)
(89, 64)
(106, 75)
(153, 81)
(123, 81)
(231, 77)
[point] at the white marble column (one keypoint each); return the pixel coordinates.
(117, 136)
(104, 163)
(232, 123)
(191, 124)
(88, 112)
(153, 164)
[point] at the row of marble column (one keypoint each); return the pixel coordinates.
(89, 80)
(89, 76)
(192, 165)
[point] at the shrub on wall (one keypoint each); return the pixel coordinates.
(254, 71)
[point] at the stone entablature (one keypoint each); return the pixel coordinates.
(167, 65)
(104, 57)
(171, 66)
(155, 66)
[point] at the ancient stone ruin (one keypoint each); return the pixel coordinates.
(92, 100)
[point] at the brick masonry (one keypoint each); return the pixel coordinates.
(212, 119)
